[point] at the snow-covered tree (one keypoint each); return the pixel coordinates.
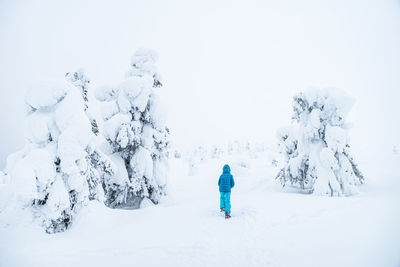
(316, 149)
(60, 169)
(134, 126)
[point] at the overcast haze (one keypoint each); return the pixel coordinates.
(229, 68)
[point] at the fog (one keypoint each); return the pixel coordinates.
(229, 68)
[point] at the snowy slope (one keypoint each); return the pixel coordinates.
(269, 226)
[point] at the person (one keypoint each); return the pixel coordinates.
(226, 183)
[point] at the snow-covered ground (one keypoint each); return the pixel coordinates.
(269, 226)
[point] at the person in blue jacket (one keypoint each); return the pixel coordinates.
(226, 183)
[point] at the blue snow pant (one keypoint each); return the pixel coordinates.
(225, 201)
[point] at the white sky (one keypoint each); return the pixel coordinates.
(230, 68)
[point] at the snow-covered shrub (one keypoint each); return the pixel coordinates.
(134, 126)
(316, 149)
(60, 169)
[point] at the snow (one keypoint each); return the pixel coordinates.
(328, 159)
(106, 93)
(270, 226)
(142, 163)
(147, 137)
(76, 182)
(160, 172)
(146, 202)
(132, 92)
(335, 100)
(123, 104)
(121, 175)
(137, 90)
(158, 111)
(37, 127)
(336, 138)
(109, 109)
(23, 182)
(143, 63)
(58, 199)
(70, 151)
(113, 125)
(75, 135)
(132, 87)
(69, 112)
(45, 94)
(41, 160)
(13, 159)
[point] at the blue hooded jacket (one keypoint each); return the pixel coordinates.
(226, 181)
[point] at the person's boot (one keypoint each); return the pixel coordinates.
(227, 215)
(222, 209)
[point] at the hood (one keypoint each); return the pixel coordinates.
(226, 169)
